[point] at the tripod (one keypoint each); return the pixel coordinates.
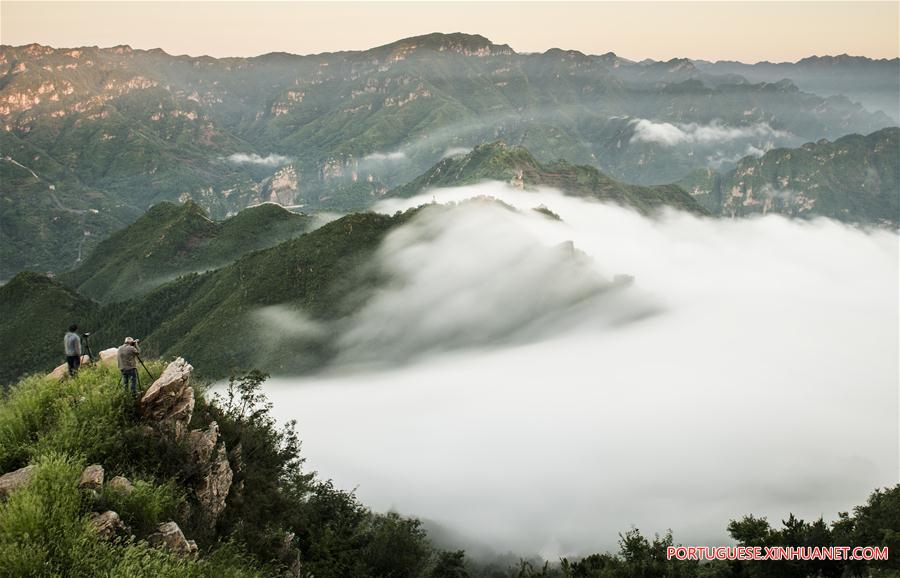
(87, 346)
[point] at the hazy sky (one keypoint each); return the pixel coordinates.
(747, 31)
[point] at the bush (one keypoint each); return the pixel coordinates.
(146, 506)
(87, 416)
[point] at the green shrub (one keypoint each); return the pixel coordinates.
(146, 506)
(42, 528)
(87, 416)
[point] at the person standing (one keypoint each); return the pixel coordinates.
(72, 345)
(126, 356)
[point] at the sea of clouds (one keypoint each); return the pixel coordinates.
(516, 400)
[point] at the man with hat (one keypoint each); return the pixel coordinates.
(127, 356)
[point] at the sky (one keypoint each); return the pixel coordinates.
(746, 31)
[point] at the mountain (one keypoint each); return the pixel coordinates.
(35, 312)
(96, 136)
(515, 165)
(317, 277)
(171, 240)
(284, 308)
(872, 82)
(855, 178)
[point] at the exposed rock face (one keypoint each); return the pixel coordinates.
(212, 487)
(169, 401)
(108, 356)
(109, 525)
(15, 480)
(121, 485)
(170, 536)
(91, 478)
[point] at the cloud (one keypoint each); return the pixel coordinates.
(765, 334)
(392, 156)
(455, 151)
(271, 160)
(287, 323)
(721, 159)
(668, 134)
(482, 303)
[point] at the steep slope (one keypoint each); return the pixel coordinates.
(130, 128)
(320, 276)
(855, 178)
(35, 312)
(515, 165)
(171, 240)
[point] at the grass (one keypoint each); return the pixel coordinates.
(60, 427)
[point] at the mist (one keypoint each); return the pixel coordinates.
(502, 387)
(271, 160)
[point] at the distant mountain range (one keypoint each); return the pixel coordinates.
(872, 82)
(91, 138)
(854, 179)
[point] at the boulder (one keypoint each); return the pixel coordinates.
(120, 485)
(169, 535)
(109, 525)
(109, 356)
(62, 371)
(212, 487)
(169, 401)
(15, 480)
(91, 478)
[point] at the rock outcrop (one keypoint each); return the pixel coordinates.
(211, 488)
(168, 405)
(62, 371)
(109, 525)
(120, 485)
(109, 356)
(169, 535)
(169, 401)
(91, 478)
(15, 480)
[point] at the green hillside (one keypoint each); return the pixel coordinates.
(278, 519)
(855, 179)
(35, 312)
(172, 240)
(515, 165)
(322, 276)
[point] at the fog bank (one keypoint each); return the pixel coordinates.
(751, 368)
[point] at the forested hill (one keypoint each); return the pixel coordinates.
(171, 240)
(321, 275)
(515, 165)
(854, 179)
